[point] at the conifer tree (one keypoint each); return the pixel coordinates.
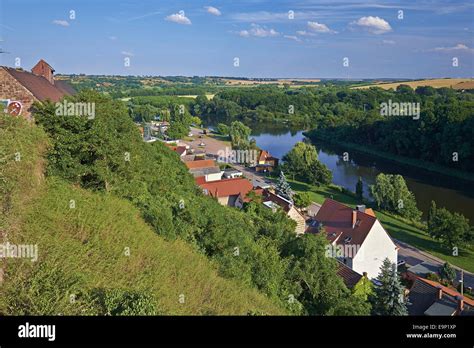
(388, 299)
(283, 188)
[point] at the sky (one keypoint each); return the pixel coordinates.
(245, 38)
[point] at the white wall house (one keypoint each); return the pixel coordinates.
(376, 247)
(356, 237)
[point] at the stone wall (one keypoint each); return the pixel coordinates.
(11, 89)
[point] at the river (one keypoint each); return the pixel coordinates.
(454, 194)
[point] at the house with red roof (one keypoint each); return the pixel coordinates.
(19, 88)
(356, 237)
(427, 297)
(266, 162)
(230, 192)
(274, 201)
(206, 169)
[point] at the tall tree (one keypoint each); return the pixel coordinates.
(447, 273)
(283, 188)
(302, 163)
(451, 229)
(391, 193)
(431, 215)
(388, 297)
(359, 188)
(239, 135)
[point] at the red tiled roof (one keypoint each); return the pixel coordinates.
(200, 164)
(265, 155)
(283, 203)
(447, 290)
(200, 180)
(349, 276)
(337, 220)
(228, 187)
(40, 87)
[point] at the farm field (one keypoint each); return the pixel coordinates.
(436, 83)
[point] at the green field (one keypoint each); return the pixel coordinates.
(397, 227)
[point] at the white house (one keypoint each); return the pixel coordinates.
(356, 237)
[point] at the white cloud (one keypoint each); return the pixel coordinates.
(292, 37)
(459, 48)
(259, 31)
(318, 27)
(305, 33)
(61, 22)
(374, 25)
(127, 53)
(179, 18)
(113, 38)
(388, 42)
(244, 33)
(213, 11)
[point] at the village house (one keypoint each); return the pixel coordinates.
(181, 150)
(205, 168)
(231, 173)
(427, 297)
(266, 162)
(359, 239)
(230, 192)
(274, 202)
(19, 89)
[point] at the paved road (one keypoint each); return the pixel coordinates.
(411, 255)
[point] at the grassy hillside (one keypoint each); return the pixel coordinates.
(84, 266)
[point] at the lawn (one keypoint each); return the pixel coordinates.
(395, 226)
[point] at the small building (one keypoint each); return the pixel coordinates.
(266, 162)
(19, 89)
(275, 202)
(231, 173)
(181, 150)
(427, 297)
(205, 168)
(230, 192)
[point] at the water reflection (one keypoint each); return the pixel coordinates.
(452, 193)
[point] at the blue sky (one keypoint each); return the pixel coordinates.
(298, 38)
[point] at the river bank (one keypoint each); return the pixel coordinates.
(415, 163)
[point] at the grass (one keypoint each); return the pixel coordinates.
(397, 227)
(85, 248)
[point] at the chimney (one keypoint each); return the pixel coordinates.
(361, 208)
(460, 300)
(440, 292)
(45, 70)
(354, 218)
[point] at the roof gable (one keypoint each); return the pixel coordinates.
(337, 220)
(40, 87)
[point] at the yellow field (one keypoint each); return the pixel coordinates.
(236, 82)
(194, 96)
(436, 83)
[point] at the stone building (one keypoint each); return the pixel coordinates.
(19, 89)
